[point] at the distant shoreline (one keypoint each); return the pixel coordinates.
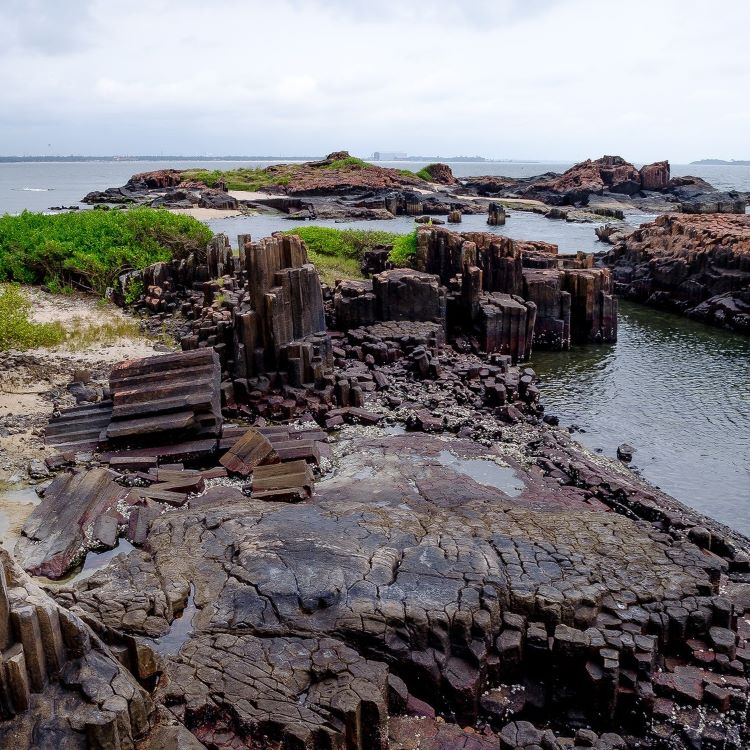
(147, 158)
(722, 162)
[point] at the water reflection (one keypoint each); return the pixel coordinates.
(484, 471)
(678, 391)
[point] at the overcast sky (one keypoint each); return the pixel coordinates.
(539, 79)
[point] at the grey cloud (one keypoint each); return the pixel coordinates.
(44, 27)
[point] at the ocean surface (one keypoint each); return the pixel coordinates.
(678, 391)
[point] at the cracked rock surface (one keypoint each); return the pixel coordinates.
(433, 572)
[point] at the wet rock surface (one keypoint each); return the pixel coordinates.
(403, 569)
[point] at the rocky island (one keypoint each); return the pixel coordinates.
(341, 186)
(347, 521)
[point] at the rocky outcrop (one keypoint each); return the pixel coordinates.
(60, 685)
(441, 173)
(575, 185)
(654, 176)
(494, 282)
(611, 179)
(487, 597)
(697, 265)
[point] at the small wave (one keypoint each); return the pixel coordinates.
(37, 190)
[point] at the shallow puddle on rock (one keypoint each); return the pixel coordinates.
(94, 562)
(485, 471)
(97, 560)
(180, 630)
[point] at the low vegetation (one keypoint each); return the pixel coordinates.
(81, 335)
(89, 249)
(17, 330)
(338, 253)
(350, 162)
(243, 178)
(404, 249)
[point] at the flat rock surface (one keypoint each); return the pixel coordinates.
(401, 564)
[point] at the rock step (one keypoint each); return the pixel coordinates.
(79, 427)
(286, 481)
(188, 450)
(175, 394)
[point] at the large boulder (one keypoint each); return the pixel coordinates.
(655, 176)
(441, 173)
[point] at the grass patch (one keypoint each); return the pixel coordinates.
(17, 331)
(404, 250)
(351, 162)
(89, 249)
(82, 335)
(343, 243)
(337, 253)
(243, 178)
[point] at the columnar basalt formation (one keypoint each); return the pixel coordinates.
(495, 215)
(655, 176)
(164, 396)
(696, 265)
(552, 327)
(403, 294)
(572, 301)
(60, 685)
(56, 535)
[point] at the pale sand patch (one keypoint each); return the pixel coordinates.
(253, 195)
(16, 505)
(204, 214)
(25, 389)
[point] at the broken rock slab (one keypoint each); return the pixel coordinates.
(59, 530)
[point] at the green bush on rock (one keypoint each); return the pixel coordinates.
(404, 250)
(89, 249)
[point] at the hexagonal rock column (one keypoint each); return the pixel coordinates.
(403, 294)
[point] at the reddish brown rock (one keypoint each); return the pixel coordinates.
(575, 185)
(440, 173)
(655, 176)
(698, 265)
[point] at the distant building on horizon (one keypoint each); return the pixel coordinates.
(388, 155)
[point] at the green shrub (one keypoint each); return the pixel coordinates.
(16, 330)
(343, 243)
(351, 162)
(134, 290)
(89, 249)
(404, 250)
(425, 174)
